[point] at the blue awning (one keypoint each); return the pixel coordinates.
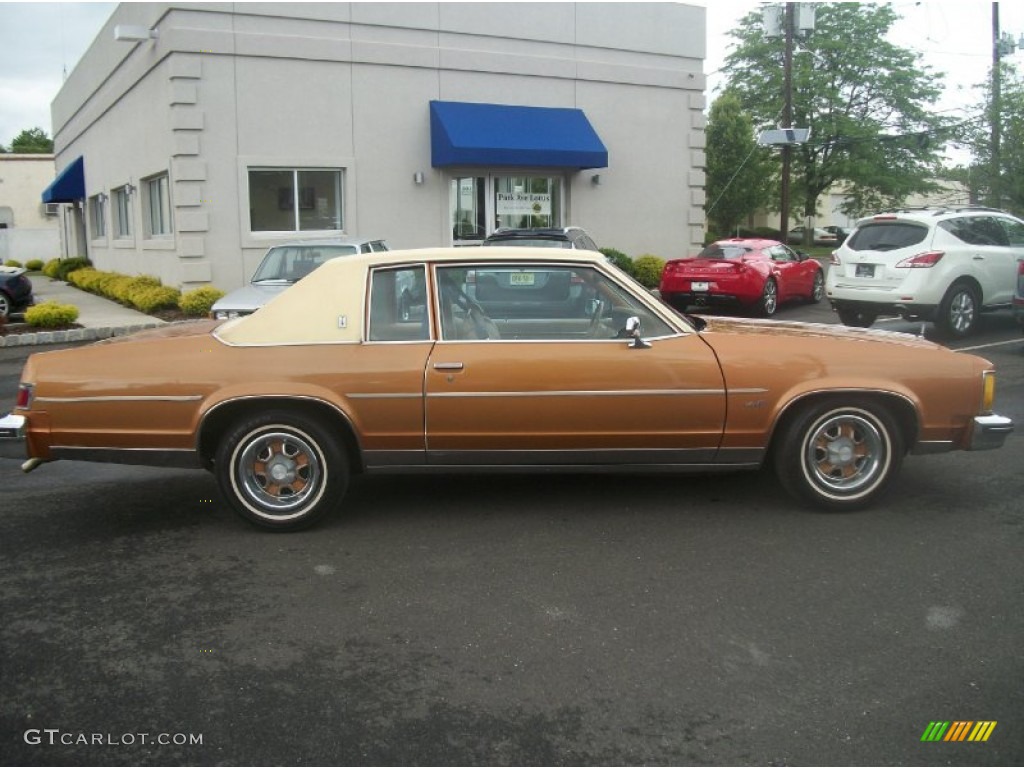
(462, 133)
(69, 184)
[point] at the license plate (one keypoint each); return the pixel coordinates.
(521, 278)
(865, 270)
(699, 286)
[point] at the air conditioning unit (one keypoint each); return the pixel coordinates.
(52, 209)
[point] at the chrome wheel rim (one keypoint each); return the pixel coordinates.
(819, 287)
(846, 454)
(770, 297)
(961, 311)
(279, 472)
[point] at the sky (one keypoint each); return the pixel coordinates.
(41, 42)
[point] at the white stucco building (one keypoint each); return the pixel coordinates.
(28, 227)
(210, 131)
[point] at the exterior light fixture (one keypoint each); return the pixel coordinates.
(101, 198)
(132, 33)
(595, 179)
(417, 177)
(129, 188)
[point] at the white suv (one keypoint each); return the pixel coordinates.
(944, 265)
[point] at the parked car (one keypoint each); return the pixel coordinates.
(841, 233)
(284, 265)
(15, 290)
(747, 273)
(1018, 296)
(821, 235)
(331, 379)
(941, 265)
(551, 237)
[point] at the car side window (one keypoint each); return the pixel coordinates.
(782, 253)
(976, 230)
(537, 302)
(1014, 231)
(398, 305)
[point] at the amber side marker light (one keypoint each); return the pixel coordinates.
(988, 397)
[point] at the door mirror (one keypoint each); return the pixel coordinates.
(633, 329)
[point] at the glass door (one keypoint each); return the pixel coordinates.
(478, 205)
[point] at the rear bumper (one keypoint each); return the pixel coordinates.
(907, 311)
(13, 437)
(990, 432)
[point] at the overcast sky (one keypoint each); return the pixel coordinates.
(40, 42)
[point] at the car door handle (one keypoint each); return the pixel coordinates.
(979, 258)
(448, 366)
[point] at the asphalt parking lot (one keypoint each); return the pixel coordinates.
(547, 620)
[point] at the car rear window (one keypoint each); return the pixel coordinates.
(533, 242)
(717, 251)
(887, 236)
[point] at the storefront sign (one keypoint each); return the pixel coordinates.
(523, 204)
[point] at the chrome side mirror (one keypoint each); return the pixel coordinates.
(633, 329)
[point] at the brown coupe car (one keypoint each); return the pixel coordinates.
(388, 362)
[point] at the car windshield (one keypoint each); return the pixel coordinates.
(720, 251)
(887, 236)
(291, 263)
(534, 242)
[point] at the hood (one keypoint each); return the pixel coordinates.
(250, 298)
(811, 331)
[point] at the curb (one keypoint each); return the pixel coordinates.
(75, 334)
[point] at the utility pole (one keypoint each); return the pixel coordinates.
(787, 118)
(995, 187)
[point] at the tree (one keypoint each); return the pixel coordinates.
(33, 141)
(738, 172)
(866, 101)
(1011, 145)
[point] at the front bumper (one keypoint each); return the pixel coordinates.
(13, 437)
(989, 432)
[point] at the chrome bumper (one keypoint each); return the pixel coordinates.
(13, 437)
(990, 432)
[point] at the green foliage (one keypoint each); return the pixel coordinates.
(34, 265)
(142, 292)
(199, 301)
(151, 298)
(739, 174)
(1002, 187)
(647, 270)
(619, 259)
(59, 269)
(12, 263)
(50, 314)
(867, 102)
(33, 141)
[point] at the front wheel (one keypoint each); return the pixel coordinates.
(818, 287)
(5, 305)
(281, 470)
(839, 456)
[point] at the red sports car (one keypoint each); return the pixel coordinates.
(757, 274)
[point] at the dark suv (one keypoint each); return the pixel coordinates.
(552, 237)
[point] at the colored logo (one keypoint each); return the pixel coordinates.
(958, 730)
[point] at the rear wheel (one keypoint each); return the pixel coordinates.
(839, 455)
(5, 305)
(855, 318)
(957, 315)
(769, 298)
(818, 288)
(281, 470)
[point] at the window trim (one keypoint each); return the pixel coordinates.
(121, 215)
(163, 183)
(97, 205)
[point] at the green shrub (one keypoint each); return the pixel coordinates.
(647, 270)
(13, 263)
(51, 267)
(49, 314)
(34, 265)
(619, 259)
(67, 266)
(154, 297)
(197, 302)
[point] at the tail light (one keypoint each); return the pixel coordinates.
(922, 260)
(25, 393)
(834, 260)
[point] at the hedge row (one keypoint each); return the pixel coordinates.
(50, 314)
(144, 292)
(645, 269)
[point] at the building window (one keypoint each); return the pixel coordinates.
(295, 199)
(98, 215)
(156, 202)
(122, 212)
